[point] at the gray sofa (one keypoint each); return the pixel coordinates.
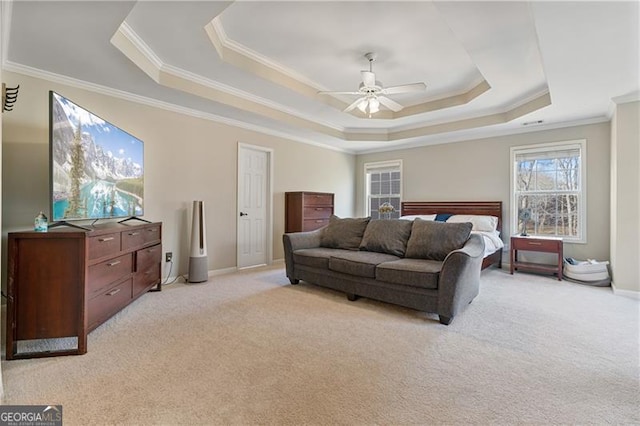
(423, 265)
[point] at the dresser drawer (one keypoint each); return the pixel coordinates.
(108, 302)
(317, 200)
(140, 237)
(317, 212)
(148, 256)
(104, 245)
(313, 224)
(101, 275)
(146, 279)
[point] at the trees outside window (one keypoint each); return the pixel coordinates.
(383, 184)
(549, 183)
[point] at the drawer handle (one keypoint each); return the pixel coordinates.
(319, 221)
(133, 233)
(114, 292)
(103, 240)
(151, 250)
(318, 209)
(152, 230)
(114, 263)
(531, 243)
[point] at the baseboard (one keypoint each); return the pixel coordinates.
(625, 293)
(222, 271)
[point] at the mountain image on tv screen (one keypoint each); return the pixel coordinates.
(96, 168)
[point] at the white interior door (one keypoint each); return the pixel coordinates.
(254, 206)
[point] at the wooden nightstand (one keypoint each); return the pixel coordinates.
(541, 244)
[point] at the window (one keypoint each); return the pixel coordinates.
(383, 183)
(549, 190)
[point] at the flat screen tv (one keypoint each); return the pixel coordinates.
(96, 168)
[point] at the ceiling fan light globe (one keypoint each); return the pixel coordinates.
(362, 106)
(374, 106)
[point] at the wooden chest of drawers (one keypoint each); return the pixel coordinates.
(307, 211)
(65, 282)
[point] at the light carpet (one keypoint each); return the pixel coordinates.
(248, 348)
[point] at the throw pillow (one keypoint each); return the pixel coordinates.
(387, 236)
(435, 240)
(344, 233)
(442, 217)
(480, 223)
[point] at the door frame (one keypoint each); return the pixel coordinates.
(268, 238)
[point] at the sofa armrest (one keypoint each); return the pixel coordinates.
(296, 241)
(459, 281)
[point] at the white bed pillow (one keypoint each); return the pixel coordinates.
(480, 223)
(419, 216)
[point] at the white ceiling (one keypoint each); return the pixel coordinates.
(489, 67)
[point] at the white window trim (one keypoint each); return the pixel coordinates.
(582, 143)
(380, 165)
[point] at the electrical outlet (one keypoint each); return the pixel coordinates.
(168, 256)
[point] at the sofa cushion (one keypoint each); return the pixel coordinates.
(414, 272)
(435, 240)
(360, 263)
(314, 257)
(344, 233)
(387, 236)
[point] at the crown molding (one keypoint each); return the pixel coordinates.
(6, 11)
(191, 83)
(130, 44)
(238, 55)
(167, 106)
(484, 133)
(228, 43)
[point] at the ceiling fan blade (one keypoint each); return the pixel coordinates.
(368, 78)
(392, 105)
(354, 104)
(339, 93)
(405, 88)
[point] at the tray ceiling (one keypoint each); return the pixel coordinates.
(489, 67)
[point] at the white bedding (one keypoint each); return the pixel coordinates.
(484, 226)
(492, 241)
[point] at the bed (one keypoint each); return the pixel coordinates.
(493, 243)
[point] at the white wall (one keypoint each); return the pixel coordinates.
(625, 197)
(186, 159)
(2, 271)
(479, 170)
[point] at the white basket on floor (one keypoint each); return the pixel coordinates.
(590, 272)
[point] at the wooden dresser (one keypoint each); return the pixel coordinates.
(66, 282)
(307, 211)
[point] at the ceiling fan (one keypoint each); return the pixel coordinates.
(372, 93)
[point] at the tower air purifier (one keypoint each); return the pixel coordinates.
(198, 264)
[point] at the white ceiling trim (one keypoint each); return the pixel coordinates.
(467, 123)
(484, 133)
(6, 10)
(161, 67)
(243, 57)
(134, 48)
(167, 106)
(130, 44)
(222, 43)
(427, 140)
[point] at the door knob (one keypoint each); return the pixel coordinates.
(243, 214)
